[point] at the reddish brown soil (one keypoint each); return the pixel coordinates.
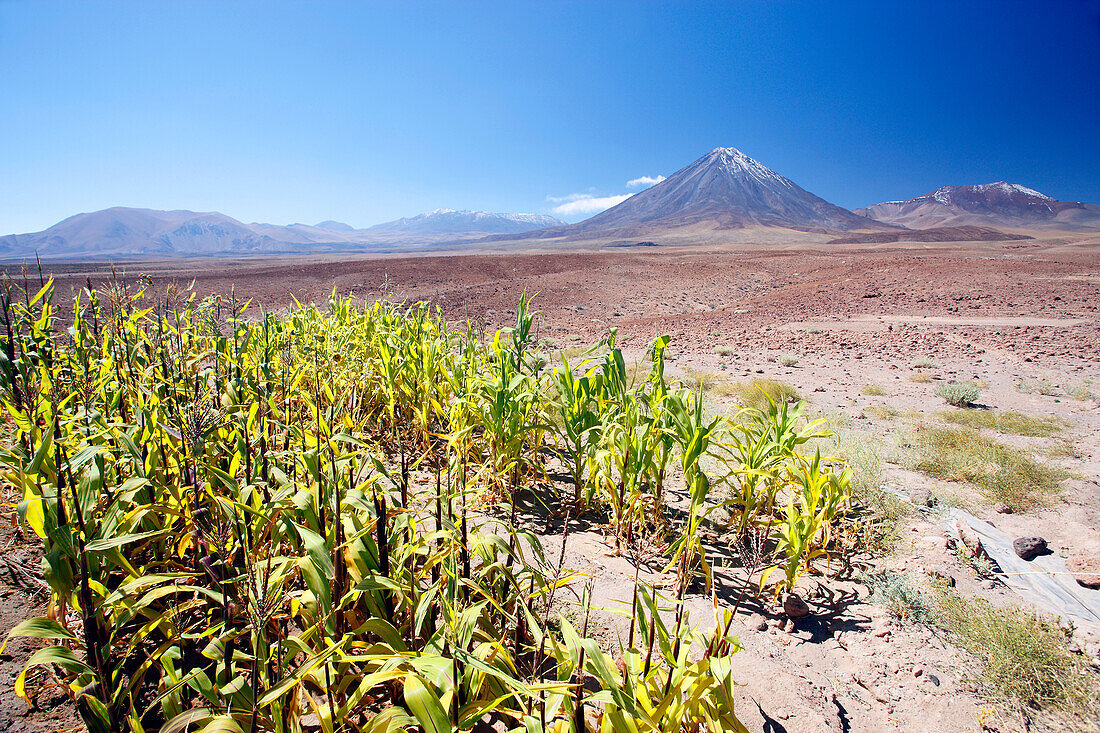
(1037, 300)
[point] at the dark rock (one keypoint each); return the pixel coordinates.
(1029, 548)
(794, 606)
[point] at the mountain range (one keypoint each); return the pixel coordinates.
(130, 233)
(1000, 204)
(721, 197)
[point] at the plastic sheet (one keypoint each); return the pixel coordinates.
(1044, 582)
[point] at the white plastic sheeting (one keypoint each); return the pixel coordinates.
(1044, 582)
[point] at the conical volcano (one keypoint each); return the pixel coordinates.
(723, 190)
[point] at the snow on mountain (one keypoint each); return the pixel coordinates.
(465, 223)
(725, 189)
(999, 204)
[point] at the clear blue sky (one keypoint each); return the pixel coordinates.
(364, 112)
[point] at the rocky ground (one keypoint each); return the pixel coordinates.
(1022, 319)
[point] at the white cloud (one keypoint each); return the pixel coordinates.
(645, 181)
(584, 204)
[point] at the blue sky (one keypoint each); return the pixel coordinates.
(363, 112)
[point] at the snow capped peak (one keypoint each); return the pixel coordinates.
(947, 195)
(735, 163)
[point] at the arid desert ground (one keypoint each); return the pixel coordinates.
(866, 334)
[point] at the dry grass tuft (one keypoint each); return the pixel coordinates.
(1024, 661)
(757, 392)
(873, 390)
(1001, 472)
(921, 377)
(1010, 423)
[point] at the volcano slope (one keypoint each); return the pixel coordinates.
(844, 325)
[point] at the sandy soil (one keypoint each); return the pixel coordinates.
(1013, 316)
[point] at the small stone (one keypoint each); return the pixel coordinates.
(794, 606)
(757, 622)
(1029, 548)
(1001, 508)
(970, 538)
(934, 680)
(1085, 569)
(918, 671)
(921, 497)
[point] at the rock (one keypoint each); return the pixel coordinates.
(1029, 548)
(970, 538)
(794, 606)
(921, 497)
(1085, 569)
(934, 680)
(987, 585)
(757, 622)
(1001, 508)
(918, 671)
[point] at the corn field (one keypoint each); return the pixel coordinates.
(235, 538)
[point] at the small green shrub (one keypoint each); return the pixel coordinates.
(724, 350)
(813, 330)
(899, 595)
(924, 362)
(787, 360)
(959, 394)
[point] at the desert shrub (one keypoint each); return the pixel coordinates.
(1011, 422)
(1024, 661)
(921, 377)
(1044, 387)
(1001, 472)
(1081, 391)
(724, 350)
(813, 330)
(899, 595)
(872, 390)
(703, 381)
(959, 394)
(924, 362)
(882, 412)
(787, 360)
(758, 392)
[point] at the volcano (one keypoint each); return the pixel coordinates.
(724, 190)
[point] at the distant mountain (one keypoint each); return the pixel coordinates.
(124, 232)
(999, 204)
(334, 226)
(135, 233)
(723, 190)
(465, 223)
